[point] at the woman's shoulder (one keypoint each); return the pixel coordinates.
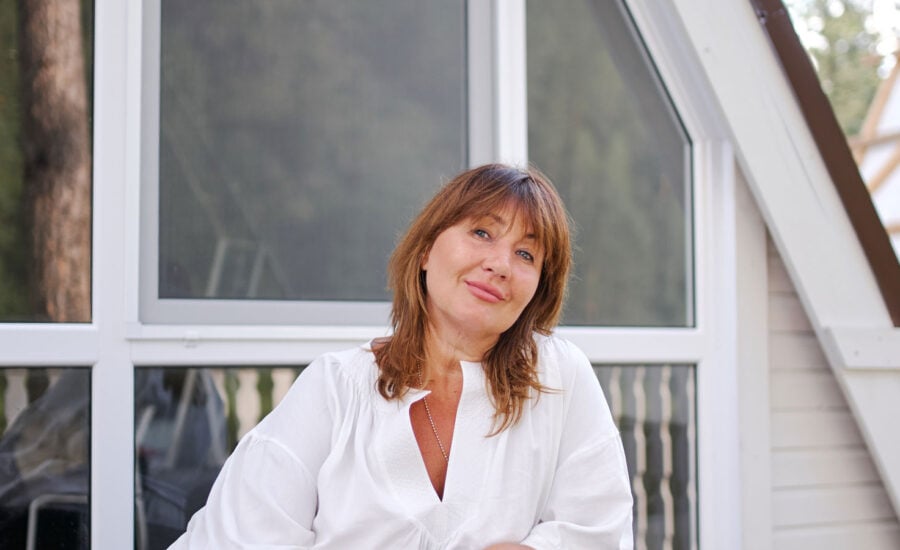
(559, 360)
(349, 368)
(333, 380)
(325, 393)
(557, 345)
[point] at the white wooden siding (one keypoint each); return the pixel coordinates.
(866, 535)
(815, 467)
(826, 492)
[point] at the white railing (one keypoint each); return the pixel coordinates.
(14, 390)
(653, 407)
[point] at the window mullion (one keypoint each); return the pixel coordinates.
(116, 133)
(637, 345)
(510, 96)
(480, 31)
(48, 345)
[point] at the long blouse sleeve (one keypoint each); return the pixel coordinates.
(265, 494)
(590, 502)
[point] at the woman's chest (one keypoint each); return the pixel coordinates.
(495, 486)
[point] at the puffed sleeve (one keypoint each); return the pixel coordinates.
(265, 494)
(590, 501)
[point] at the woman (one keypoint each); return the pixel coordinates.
(471, 426)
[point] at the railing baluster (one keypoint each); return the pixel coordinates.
(615, 392)
(653, 473)
(232, 385)
(282, 379)
(629, 430)
(248, 401)
(681, 432)
(16, 394)
(653, 406)
(665, 487)
(53, 375)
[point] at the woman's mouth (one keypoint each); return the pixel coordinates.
(484, 292)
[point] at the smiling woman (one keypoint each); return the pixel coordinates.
(480, 275)
(471, 426)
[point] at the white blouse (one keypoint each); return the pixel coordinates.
(336, 466)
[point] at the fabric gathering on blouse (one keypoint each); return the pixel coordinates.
(337, 466)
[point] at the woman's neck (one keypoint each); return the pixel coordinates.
(444, 351)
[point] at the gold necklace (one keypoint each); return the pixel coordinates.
(431, 420)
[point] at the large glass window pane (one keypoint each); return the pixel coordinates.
(44, 458)
(654, 408)
(298, 138)
(602, 127)
(187, 422)
(45, 160)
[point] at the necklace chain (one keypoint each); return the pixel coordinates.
(431, 420)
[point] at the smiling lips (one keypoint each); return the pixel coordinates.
(484, 291)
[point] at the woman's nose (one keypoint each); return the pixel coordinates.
(497, 262)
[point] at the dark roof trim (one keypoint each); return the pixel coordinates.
(834, 150)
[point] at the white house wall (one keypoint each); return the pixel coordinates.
(825, 490)
(804, 216)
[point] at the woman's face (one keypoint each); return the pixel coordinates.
(480, 274)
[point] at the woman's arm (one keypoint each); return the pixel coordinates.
(262, 497)
(590, 503)
(265, 494)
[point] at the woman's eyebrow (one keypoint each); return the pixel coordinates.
(498, 219)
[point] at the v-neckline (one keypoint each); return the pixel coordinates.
(458, 443)
(403, 467)
(430, 434)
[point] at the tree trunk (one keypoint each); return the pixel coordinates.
(57, 158)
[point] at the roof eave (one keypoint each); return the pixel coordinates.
(834, 150)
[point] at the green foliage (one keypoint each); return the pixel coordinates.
(846, 60)
(264, 386)
(13, 288)
(3, 384)
(232, 384)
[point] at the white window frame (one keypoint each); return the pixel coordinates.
(716, 241)
(117, 338)
(154, 310)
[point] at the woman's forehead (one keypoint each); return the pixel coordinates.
(509, 217)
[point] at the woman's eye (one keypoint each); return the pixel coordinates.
(526, 255)
(481, 233)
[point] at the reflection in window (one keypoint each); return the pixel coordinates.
(187, 422)
(298, 138)
(44, 449)
(602, 127)
(45, 160)
(654, 408)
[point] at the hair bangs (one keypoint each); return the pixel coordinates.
(527, 197)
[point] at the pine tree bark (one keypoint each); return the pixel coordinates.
(57, 158)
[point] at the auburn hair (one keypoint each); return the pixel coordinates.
(510, 366)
